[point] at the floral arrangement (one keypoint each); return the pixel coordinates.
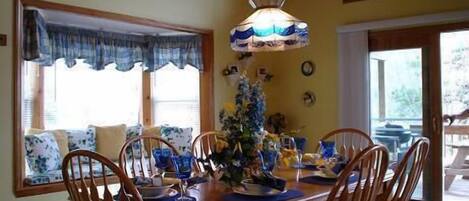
(242, 123)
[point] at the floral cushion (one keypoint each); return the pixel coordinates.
(56, 175)
(180, 138)
(134, 131)
(82, 139)
(42, 152)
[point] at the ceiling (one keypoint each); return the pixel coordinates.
(88, 22)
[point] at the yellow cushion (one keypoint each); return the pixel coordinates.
(110, 139)
(150, 131)
(60, 137)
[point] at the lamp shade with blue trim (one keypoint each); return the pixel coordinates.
(269, 29)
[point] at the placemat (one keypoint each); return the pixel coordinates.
(324, 181)
(290, 194)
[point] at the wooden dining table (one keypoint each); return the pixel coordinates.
(216, 190)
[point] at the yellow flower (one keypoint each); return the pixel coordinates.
(220, 145)
(229, 107)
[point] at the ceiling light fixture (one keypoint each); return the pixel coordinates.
(269, 29)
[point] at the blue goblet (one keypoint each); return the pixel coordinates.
(268, 159)
(327, 149)
(183, 166)
(162, 158)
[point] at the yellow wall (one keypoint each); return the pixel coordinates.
(283, 93)
(323, 17)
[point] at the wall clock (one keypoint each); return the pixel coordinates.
(308, 68)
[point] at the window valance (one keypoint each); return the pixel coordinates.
(45, 43)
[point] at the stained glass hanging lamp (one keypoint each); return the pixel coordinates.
(269, 28)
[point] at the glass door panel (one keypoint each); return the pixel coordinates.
(396, 101)
(455, 104)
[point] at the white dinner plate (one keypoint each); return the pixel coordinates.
(321, 174)
(170, 193)
(243, 191)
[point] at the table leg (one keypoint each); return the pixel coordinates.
(458, 163)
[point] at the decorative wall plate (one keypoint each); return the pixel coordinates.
(309, 98)
(308, 68)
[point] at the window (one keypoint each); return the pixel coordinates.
(175, 95)
(79, 96)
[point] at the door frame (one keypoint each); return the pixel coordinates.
(427, 38)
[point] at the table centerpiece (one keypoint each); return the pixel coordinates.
(237, 153)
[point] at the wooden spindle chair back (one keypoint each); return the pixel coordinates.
(349, 141)
(84, 187)
(202, 147)
(407, 173)
(363, 177)
(136, 158)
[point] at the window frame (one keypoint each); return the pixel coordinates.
(206, 83)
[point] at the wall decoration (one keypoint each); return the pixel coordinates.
(309, 98)
(263, 74)
(308, 68)
(232, 73)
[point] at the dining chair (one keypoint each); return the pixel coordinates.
(408, 172)
(202, 147)
(135, 157)
(349, 141)
(82, 185)
(362, 177)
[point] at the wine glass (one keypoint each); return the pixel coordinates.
(162, 158)
(289, 143)
(327, 149)
(268, 159)
(183, 166)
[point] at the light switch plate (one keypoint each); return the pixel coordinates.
(3, 40)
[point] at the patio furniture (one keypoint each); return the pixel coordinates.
(457, 167)
(83, 187)
(349, 141)
(369, 167)
(408, 172)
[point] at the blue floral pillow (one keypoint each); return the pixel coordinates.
(180, 138)
(82, 139)
(42, 153)
(133, 131)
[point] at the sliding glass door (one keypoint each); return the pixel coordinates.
(396, 106)
(415, 76)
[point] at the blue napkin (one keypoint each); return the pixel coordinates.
(325, 181)
(290, 194)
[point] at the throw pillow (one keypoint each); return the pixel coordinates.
(82, 139)
(134, 131)
(180, 138)
(150, 131)
(110, 139)
(42, 152)
(60, 137)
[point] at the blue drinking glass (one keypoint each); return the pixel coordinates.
(268, 159)
(183, 166)
(162, 158)
(327, 149)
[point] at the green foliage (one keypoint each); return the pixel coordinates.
(409, 101)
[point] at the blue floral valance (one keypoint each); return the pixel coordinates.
(45, 43)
